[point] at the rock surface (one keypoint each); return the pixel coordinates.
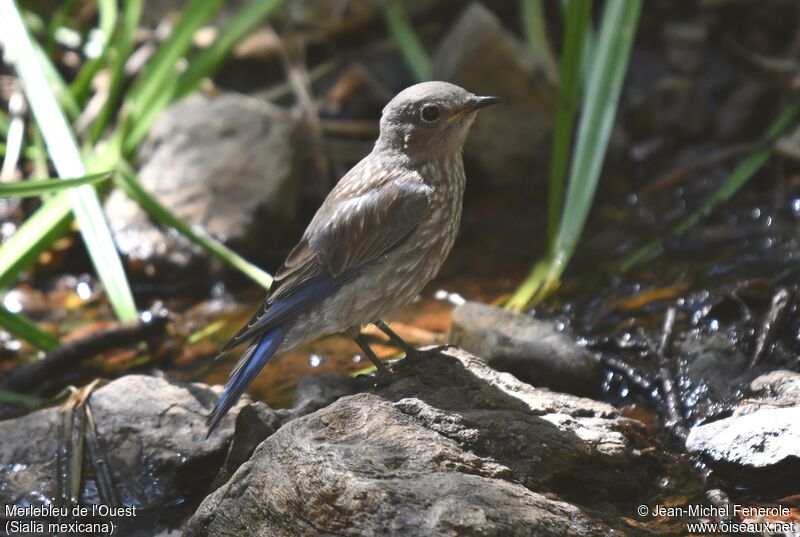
(760, 442)
(528, 348)
(227, 164)
(481, 55)
(151, 431)
(259, 421)
(450, 447)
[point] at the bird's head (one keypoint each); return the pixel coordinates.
(429, 119)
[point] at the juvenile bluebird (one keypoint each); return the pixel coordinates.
(379, 237)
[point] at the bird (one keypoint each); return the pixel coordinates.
(379, 237)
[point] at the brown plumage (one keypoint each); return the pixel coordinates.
(379, 237)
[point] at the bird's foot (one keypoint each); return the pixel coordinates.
(379, 378)
(410, 351)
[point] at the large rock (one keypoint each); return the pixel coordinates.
(151, 432)
(760, 442)
(508, 143)
(450, 447)
(226, 164)
(259, 421)
(529, 348)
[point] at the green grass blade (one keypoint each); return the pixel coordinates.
(163, 215)
(407, 40)
(27, 330)
(58, 21)
(118, 52)
(161, 67)
(38, 155)
(599, 109)
(735, 181)
(133, 132)
(578, 17)
(535, 27)
(589, 42)
(4, 124)
(50, 222)
(56, 84)
(208, 61)
(67, 161)
(108, 17)
(20, 399)
(29, 189)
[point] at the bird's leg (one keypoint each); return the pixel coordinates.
(383, 371)
(406, 347)
(396, 339)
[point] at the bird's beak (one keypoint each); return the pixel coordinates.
(473, 105)
(478, 102)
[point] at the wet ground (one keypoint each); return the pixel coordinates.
(722, 278)
(733, 278)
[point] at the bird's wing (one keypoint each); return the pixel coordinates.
(347, 233)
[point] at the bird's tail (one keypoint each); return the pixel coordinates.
(251, 362)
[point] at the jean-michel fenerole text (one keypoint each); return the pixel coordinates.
(720, 511)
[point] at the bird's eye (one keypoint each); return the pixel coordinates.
(429, 113)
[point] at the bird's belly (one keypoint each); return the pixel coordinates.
(383, 287)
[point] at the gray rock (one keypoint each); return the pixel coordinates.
(254, 423)
(478, 53)
(450, 447)
(328, 18)
(778, 388)
(227, 164)
(151, 431)
(530, 349)
(317, 391)
(258, 421)
(760, 442)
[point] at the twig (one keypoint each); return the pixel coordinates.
(674, 419)
(68, 355)
(285, 88)
(772, 319)
(290, 50)
(629, 373)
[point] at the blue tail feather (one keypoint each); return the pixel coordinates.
(249, 365)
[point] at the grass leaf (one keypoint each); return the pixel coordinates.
(396, 17)
(4, 123)
(735, 181)
(118, 52)
(161, 214)
(28, 189)
(206, 63)
(50, 222)
(66, 158)
(27, 330)
(578, 17)
(20, 399)
(161, 67)
(599, 109)
(534, 24)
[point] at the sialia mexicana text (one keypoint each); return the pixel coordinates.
(379, 237)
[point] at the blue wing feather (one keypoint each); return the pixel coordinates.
(249, 365)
